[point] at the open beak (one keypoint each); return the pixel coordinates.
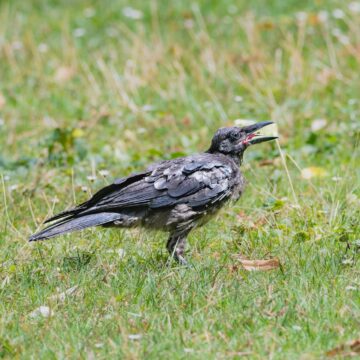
(254, 134)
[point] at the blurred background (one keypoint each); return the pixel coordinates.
(120, 85)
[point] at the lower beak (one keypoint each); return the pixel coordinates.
(255, 135)
(260, 139)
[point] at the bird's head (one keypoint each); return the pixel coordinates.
(235, 140)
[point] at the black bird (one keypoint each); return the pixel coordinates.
(174, 195)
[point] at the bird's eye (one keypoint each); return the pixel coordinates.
(235, 136)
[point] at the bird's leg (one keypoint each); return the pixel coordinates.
(176, 244)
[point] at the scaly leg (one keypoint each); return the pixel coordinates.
(176, 244)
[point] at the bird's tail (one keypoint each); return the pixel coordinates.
(73, 224)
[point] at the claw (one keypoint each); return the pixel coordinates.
(181, 260)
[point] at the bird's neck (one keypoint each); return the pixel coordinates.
(236, 158)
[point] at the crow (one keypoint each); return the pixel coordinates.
(173, 195)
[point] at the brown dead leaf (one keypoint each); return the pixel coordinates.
(349, 349)
(266, 162)
(260, 265)
(266, 25)
(186, 121)
(233, 268)
(2, 100)
(250, 222)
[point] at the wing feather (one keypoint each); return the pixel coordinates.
(195, 181)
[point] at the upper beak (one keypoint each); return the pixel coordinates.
(254, 135)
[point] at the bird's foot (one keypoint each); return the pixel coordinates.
(176, 246)
(181, 260)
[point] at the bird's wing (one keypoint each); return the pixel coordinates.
(195, 181)
(101, 195)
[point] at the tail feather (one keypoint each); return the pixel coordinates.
(73, 224)
(65, 214)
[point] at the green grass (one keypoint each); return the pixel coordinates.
(85, 88)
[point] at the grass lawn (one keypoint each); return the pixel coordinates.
(93, 90)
